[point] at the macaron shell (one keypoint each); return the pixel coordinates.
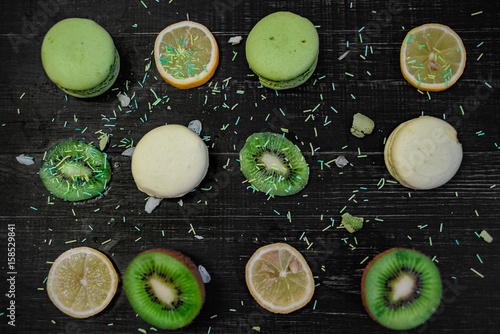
(169, 161)
(78, 54)
(282, 46)
(286, 84)
(423, 153)
(103, 86)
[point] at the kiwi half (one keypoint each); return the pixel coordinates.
(165, 288)
(75, 171)
(401, 288)
(273, 164)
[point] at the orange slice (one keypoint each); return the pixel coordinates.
(186, 54)
(81, 282)
(432, 57)
(279, 278)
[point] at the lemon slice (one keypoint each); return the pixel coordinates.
(186, 54)
(81, 282)
(432, 57)
(279, 278)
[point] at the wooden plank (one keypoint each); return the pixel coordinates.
(232, 221)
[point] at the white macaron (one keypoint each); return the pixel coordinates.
(169, 161)
(423, 153)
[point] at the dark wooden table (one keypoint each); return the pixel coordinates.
(232, 221)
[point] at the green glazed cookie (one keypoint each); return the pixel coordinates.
(79, 56)
(282, 49)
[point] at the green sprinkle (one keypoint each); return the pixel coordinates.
(345, 207)
(441, 227)
(477, 214)
(349, 74)
(477, 273)
(144, 4)
(378, 219)
(479, 258)
(430, 241)
(476, 13)
(409, 38)
(235, 54)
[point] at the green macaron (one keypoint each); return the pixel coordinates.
(79, 56)
(282, 49)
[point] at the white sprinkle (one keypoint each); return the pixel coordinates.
(124, 100)
(128, 152)
(195, 126)
(205, 276)
(341, 161)
(24, 160)
(199, 237)
(235, 39)
(344, 55)
(152, 203)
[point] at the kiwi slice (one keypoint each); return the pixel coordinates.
(273, 164)
(401, 288)
(165, 288)
(75, 171)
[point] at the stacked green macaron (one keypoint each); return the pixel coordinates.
(80, 57)
(282, 49)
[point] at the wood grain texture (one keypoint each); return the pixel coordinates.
(232, 220)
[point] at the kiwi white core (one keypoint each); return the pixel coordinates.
(162, 291)
(403, 287)
(273, 162)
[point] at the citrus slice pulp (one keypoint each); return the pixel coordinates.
(186, 54)
(81, 282)
(279, 278)
(432, 57)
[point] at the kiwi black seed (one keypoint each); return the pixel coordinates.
(75, 171)
(401, 288)
(273, 164)
(165, 288)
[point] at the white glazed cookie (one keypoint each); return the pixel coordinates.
(423, 153)
(169, 161)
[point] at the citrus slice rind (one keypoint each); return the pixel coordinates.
(82, 282)
(279, 278)
(432, 57)
(186, 54)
